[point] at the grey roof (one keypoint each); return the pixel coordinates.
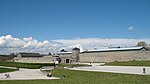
(116, 49)
(75, 48)
(30, 55)
(62, 53)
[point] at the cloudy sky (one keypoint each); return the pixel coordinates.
(49, 25)
(10, 44)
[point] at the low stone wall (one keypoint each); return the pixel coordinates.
(115, 56)
(45, 59)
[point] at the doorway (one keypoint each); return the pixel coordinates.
(67, 60)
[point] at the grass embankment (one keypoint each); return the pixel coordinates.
(85, 77)
(3, 70)
(130, 63)
(25, 65)
(36, 65)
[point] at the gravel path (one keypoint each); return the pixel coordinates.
(116, 69)
(25, 74)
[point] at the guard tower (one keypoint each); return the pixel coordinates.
(75, 53)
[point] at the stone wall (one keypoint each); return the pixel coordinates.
(91, 57)
(114, 56)
(71, 58)
(44, 59)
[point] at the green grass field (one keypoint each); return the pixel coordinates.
(25, 65)
(130, 63)
(3, 70)
(85, 77)
(35, 65)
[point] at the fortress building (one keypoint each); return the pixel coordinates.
(96, 55)
(106, 55)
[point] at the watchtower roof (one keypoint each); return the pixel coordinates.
(75, 48)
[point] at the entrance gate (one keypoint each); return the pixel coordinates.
(67, 60)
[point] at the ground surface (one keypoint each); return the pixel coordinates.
(86, 77)
(116, 69)
(25, 74)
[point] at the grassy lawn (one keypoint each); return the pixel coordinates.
(3, 70)
(35, 65)
(130, 63)
(25, 65)
(85, 77)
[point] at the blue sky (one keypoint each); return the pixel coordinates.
(70, 19)
(49, 25)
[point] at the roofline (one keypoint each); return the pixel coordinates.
(32, 56)
(27, 53)
(110, 50)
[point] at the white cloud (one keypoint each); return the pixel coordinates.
(132, 28)
(9, 44)
(91, 43)
(28, 39)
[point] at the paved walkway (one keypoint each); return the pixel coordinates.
(115, 69)
(25, 74)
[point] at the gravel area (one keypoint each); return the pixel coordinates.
(25, 74)
(116, 69)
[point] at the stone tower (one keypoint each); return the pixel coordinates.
(75, 53)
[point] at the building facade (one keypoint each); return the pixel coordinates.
(108, 55)
(101, 55)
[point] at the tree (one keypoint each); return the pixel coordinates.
(142, 43)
